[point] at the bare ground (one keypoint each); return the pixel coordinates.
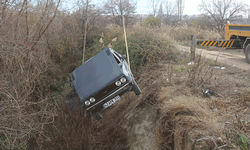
(139, 124)
(215, 116)
(229, 57)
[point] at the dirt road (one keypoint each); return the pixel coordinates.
(234, 60)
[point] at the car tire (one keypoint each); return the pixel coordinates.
(247, 53)
(136, 88)
(97, 115)
(72, 100)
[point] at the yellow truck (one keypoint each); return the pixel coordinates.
(236, 36)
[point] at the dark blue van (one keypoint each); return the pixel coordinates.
(101, 81)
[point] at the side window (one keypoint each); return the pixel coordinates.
(116, 58)
(117, 54)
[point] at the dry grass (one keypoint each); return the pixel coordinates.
(25, 73)
(180, 117)
(186, 118)
(69, 131)
(189, 120)
(24, 94)
(28, 118)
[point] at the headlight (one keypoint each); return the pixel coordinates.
(87, 103)
(123, 80)
(118, 83)
(92, 99)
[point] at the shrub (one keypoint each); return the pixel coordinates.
(152, 21)
(144, 44)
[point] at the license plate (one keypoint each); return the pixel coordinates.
(111, 102)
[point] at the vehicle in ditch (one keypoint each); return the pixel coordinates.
(100, 82)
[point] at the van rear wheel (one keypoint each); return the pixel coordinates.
(97, 115)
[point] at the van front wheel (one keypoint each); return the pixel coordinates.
(136, 88)
(247, 53)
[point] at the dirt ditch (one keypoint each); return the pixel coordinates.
(171, 113)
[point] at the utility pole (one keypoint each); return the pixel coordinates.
(193, 46)
(180, 9)
(88, 116)
(85, 31)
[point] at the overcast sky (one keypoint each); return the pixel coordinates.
(191, 6)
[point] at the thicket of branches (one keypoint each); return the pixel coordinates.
(37, 40)
(24, 71)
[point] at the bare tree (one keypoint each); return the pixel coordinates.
(248, 16)
(88, 16)
(180, 9)
(153, 6)
(160, 12)
(222, 11)
(169, 12)
(119, 8)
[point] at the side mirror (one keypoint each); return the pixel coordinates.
(123, 57)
